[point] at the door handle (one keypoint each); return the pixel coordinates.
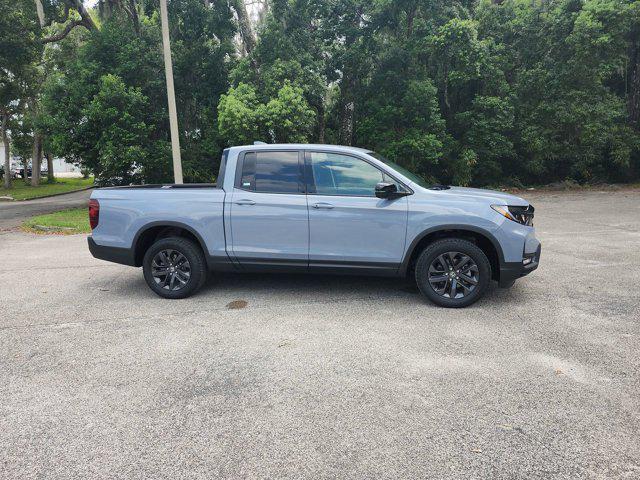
(326, 205)
(245, 202)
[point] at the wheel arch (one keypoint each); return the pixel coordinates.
(484, 239)
(147, 235)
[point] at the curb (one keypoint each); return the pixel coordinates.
(55, 194)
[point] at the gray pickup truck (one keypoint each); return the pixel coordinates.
(316, 208)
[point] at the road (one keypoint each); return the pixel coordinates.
(12, 214)
(327, 377)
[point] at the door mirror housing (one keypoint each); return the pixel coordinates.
(388, 190)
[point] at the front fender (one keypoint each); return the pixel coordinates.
(458, 227)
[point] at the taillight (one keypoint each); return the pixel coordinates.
(94, 213)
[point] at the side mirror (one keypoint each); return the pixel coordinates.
(386, 190)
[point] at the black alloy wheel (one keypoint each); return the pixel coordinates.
(453, 272)
(453, 275)
(174, 267)
(170, 269)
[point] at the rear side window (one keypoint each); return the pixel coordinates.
(271, 172)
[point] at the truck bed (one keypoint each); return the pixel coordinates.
(126, 212)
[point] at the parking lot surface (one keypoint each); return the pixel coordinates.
(267, 376)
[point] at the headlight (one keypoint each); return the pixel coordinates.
(522, 215)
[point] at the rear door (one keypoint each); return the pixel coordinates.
(349, 227)
(269, 218)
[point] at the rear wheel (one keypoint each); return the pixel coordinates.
(453, 272)
(174, 267)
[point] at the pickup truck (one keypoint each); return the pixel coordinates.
(316, 208)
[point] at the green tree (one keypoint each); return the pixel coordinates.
(471, 91)
(238, 116)
(285, 63)
(127, 47)
(119, 135)
(117, 53)
(202, 35)
(19, 49)
(563, 60)
(286, 118)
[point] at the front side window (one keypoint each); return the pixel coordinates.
(271, 172)
(337, 174)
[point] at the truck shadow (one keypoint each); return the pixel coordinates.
(329, 287)
(306, 283)
(236, 290)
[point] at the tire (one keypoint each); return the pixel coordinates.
(175, 250)
(440, 261)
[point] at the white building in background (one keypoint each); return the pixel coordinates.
(13, 160)
(60, 167)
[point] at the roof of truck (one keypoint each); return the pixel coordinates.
(299, 146)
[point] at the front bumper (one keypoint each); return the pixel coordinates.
(511, 271)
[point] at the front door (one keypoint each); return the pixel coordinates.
(269, 219)
(349, 226)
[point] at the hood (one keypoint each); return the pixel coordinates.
(491, 196)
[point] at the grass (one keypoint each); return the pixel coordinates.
(66, 222)
(21, 191)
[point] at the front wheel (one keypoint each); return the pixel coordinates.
(453, 273)
(174, 267)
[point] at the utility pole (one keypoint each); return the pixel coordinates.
(171, 95)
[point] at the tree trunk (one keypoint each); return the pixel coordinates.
(104, 10)
(348, 84)
(321, 121)
(134, 16)
(87, 21)
(244, 23)
(40, 157)
(7, 155)
(347, 107)
(346, 124)
(411, 14)
(36, 160)
(40, 12)
(50, 177)
(633, 102)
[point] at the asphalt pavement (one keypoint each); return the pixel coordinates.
(280, 376)
(12, 214)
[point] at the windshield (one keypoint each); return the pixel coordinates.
(403, 171)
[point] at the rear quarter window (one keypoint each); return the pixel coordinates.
(271, 172)
(223, 168)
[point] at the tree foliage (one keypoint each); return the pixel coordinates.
(284, 118)
(108, 100)
(471, 91)
(19, 51)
